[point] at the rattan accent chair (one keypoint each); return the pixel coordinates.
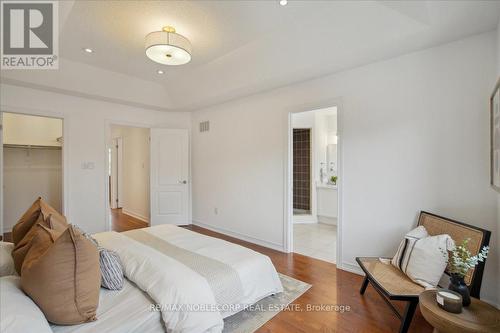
(393, 285)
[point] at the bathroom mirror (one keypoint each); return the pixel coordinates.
(331, 159)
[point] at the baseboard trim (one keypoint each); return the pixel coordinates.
(137, 216)
(327, 220)
(304, 219)
(351, 267)
(243, 237)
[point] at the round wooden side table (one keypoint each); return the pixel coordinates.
(477, 317)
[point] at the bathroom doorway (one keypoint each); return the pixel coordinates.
(314, 183)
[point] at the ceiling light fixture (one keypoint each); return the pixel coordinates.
(88, 50)
(283, 2)
(160, 71)
(168, 47)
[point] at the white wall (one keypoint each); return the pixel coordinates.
(85, 122)
(135, 170)
(414, 133)
(28, 174)
(21, 129)
(498, 196)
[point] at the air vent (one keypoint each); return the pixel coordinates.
(204, 126)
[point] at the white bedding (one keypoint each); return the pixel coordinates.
(121, 311)
(169, 281)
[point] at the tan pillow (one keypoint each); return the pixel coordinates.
(62, 276)
(30, 218)
(23, 246)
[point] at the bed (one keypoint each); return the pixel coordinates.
(179, 281)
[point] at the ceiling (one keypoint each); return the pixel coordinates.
(244, 47)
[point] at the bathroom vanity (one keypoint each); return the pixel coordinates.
(327, 203)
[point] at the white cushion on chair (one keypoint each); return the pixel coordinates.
(423, 258)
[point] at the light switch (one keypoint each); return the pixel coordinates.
(88, 165)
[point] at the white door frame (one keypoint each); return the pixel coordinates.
(107, 138)
(288, 205)
(116, 172)
(65, 160)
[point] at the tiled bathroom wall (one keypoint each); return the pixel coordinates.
(302, 169)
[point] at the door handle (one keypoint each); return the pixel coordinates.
(182, 181)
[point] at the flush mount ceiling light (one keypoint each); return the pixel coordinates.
(88, 50)
(283, 2)
(168, 47)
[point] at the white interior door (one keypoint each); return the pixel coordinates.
(169, 176)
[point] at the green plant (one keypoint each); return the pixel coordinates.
(462, 260)
(333, 179)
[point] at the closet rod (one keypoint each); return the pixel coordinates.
(31, 147)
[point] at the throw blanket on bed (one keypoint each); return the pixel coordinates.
(167, 283)
(182, 271)
(223, 279)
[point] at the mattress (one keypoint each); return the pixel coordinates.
(121, 311)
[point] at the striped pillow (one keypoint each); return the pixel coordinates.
(111, 269)
(405, 248)
(423, 258)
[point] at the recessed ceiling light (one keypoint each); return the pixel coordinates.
(160, 71)
(88, 50)
(283, 2)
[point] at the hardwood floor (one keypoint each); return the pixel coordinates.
(330, 286)
(123, 222)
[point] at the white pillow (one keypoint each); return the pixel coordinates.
(18, 312)
(6, 262)
(423, 258)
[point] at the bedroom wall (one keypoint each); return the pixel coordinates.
(414, 134)
(498, 195)
(84, 124)
(135, 170)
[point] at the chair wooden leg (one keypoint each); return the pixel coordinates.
(408, 316)
(364, 285)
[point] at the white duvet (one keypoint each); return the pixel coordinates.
(169, 282)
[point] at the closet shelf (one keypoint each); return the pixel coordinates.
(31, 146)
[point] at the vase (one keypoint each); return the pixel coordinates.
(457, 284)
